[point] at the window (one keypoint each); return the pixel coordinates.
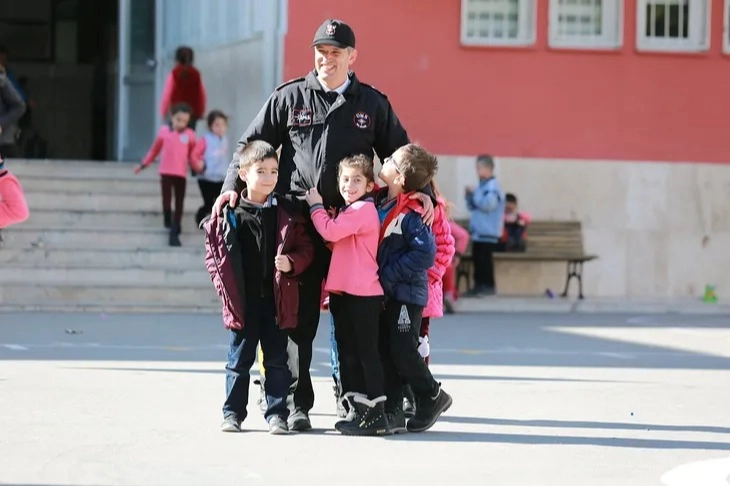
(497, 22)
(585, 23)
(726, 33)
(673, 25)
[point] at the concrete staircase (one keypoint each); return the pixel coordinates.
(95, 242)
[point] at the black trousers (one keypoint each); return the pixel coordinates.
(399, 329)
(178, 184)
(484, 264)
(356, 331)
(209, 191)
(310, 292)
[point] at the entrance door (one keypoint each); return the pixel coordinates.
(137, 74)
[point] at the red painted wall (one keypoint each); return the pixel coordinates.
(533, 102)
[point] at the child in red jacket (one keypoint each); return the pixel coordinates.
(184, 85)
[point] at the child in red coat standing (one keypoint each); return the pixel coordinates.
(184, 85)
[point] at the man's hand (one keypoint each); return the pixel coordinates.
(427, 204)
(229, 197)
(313, 197)
(282, 263)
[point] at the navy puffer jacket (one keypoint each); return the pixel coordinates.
(407, 250)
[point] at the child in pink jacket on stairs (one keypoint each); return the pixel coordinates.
(176, 142)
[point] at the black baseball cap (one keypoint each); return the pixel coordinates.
(334, 33)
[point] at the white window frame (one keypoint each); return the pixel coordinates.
(526, 27)
(611, 36)
(726, 29)
(699, 26)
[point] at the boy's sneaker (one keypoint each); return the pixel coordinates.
(299, 421)
(396, 421)
(429, 410)
(231, 423)
(277, 426)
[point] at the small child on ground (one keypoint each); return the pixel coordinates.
(13, 207)
(486, 203)
(356, 297)
(176, 142)
(406, 253)
(263, 246)
(212, 149)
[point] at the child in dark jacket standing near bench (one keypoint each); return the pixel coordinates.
(255, 254)
(406, 253)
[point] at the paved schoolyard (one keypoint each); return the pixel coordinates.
(539, 399)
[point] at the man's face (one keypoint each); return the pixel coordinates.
(484, 171)
(333, 63)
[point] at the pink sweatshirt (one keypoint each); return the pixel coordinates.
(13, 208)
(177, 152)
(461, 237)
(354, 232)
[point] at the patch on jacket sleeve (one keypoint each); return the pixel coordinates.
(395, 226)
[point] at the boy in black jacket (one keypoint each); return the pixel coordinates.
(255, 255)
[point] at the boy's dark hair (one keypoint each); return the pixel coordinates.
(418, 166)
(255, 151)
(214, 115)
(510, 198)
(181, 108)
(361, 162)
(184, 55)
(486, 160)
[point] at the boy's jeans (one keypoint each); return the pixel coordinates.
(241, 356)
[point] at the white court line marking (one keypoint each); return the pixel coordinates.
(15, 347)
(713, 472)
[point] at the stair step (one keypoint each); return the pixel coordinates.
(102, 202)
(93, 217)
(105, 277)
(97, 237)
(182, 258)
(62, 295)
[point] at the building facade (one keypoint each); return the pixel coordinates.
(610, 112)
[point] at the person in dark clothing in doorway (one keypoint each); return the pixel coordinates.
(255, 255)
(318, 120)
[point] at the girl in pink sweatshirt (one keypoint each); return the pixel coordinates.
(176, 142)
(13, 208)
(356, 297)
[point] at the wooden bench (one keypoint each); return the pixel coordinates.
(547, 241)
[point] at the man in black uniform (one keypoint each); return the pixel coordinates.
(318, 120)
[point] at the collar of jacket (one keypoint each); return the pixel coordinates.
(403, 204)
(352, 90)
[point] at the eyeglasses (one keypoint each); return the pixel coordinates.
(391, 160)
